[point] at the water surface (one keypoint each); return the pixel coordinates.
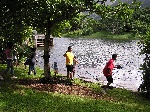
(93, 54)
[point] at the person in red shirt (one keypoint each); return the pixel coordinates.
(107, 71)
(9, 60)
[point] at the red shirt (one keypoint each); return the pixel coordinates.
(109, 65)
(8, 53)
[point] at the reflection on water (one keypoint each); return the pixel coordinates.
(93, 54)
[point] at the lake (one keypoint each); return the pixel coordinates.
(93, 54)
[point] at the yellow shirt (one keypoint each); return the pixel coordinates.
(69, 58)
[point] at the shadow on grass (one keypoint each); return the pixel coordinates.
(27, 95)
(14, 98)
(56, 80)
(29, 100)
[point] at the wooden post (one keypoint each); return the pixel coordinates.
(35, 41)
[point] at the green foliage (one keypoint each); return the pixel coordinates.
(114, 19)
(145, 86)
(142, 27)
(81, 25)
(12, 26)
(118, 18)
(142, 20)
(23, 52)
(25, 13)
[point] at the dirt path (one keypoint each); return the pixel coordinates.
(62, 87)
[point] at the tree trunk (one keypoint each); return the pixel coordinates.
(46, 51)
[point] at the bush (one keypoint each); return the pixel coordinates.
(145, 86)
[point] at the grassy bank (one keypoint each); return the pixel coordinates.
(105, 35)
(16, 97)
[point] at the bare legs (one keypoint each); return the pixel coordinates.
(69, 75)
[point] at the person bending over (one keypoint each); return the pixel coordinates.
(107, 71)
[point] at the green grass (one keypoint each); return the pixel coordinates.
(106, 35)
(16, 98)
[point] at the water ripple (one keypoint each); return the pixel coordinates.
(93, 55)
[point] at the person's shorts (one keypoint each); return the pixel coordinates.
(69, 68)
(109, 79)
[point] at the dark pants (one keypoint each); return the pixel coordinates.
(9, 66)
(32, 68)
(109, 79)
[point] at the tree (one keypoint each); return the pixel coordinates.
(82, 24)
(118, 18)
(142, 26)
(145, 86)
(12, 27)
(45, 16)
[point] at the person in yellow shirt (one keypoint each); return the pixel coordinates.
(69, 62)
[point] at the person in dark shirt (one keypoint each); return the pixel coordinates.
(32, 61)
